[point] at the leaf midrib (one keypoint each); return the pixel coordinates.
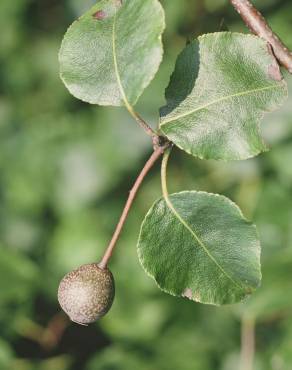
(117, 73)
(201, 243)
(242, 93)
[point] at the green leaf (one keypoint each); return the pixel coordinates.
(199, 245)
(110, 54)
(221, 87)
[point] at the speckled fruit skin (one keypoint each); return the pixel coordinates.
(87, 293)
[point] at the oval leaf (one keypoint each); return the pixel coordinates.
(221, 87)
(111, 53)
(199, 245)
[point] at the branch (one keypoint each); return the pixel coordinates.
(143, 124)
(247, 344)
(258, 25)
(149, 164)
(157, 140)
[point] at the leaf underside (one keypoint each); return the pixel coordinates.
(110, 54)
(221, 87)
(199, 245)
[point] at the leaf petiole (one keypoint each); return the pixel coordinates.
(164, 173)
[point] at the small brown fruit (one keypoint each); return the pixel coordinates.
(87, 293)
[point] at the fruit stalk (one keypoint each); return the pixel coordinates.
(149, 164)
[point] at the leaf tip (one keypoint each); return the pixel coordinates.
(274, 71)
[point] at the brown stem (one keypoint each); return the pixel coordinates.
(149, 164)
(149, 131)
(142, 123)
(259, 26)
(247, 343)
(157, 141)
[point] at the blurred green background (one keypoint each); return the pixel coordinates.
(65, 171)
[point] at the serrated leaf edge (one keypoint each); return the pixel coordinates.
(194, 296)
(119, 82)
(258, 120)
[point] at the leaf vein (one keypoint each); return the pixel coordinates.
(117, 73)
(242, 93)
(200, 242)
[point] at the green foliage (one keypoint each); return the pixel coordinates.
(222, 85)
(63, 183)
(198, 245)
(100, 63)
